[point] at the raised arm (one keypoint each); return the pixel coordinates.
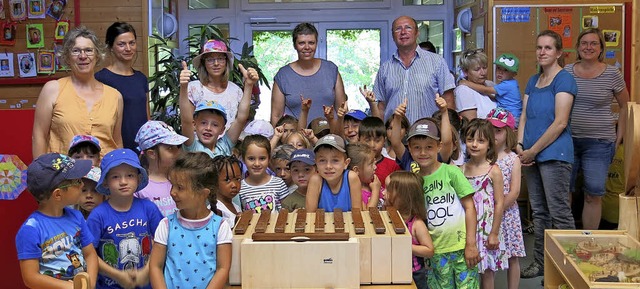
(277, 104)
(186, 107)
(250, 77)
(341, 97)
(371, 100)
(446, 134)
(42, 118)
(396, 127)
(305, 106)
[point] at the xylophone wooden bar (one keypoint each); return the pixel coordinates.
(301, 220)
(338, 221)
(358, 224)
(319, 223)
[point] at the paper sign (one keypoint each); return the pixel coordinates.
(589, 21)
(561, 24)
(515, 14)
(602, 9)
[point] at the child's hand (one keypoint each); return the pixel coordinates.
(368, 94)
(278, 132)
(185, 74)
(471, 255)
(401, 110)
(493, 242)
(342, 110)
(375, 184)
(305, 103)
(249, 76)
(141, 278)
(441, 103)
(308, 133)
(328, 112)
(126, 279)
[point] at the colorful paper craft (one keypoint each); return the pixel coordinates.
(46, 62)
(27, 64)
(35, 36)
(6, 65)
(13, 177)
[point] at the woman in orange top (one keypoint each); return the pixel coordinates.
(78, 104)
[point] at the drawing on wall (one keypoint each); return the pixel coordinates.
(46, 63)
(35, 37)
(18, 9)
(611, 37)
(27, 65)
(36, 9)
(56, 9)
(8, 34)
(6, 65)
(62, 27)
(589, 21)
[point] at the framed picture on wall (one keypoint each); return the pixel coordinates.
(17, 9)
(56, 9)
(46, 62)
(457, 40)
(36, 9)
(6, 65)
(8, 34)
(62, 27)
(59, 64)
(35, 38)
(27, 64)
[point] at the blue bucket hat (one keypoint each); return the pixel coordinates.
(47, 171)
(210, 105)
(115, 158)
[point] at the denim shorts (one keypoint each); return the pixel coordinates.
(592, 157)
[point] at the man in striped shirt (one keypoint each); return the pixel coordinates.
(412, 73)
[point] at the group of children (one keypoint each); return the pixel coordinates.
(148, 216)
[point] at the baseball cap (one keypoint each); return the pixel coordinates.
(331, 140)
(156, 132)
(303, 155)
(213, 46)
(84, 138)
(317, 125)
(212, 105)
(425, 127)
(115, 158)
(47, 171)
(257, 126)
(93, 174)
(500, 117)
(508, 61)
(357, 114)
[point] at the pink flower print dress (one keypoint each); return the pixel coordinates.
(493, 260)
(511, 226)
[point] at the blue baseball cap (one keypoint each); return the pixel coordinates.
(156, 132)
(303, 155)
(210, 105)
(47, 171)
(357, 114)
(115, 158)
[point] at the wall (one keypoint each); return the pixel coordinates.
(635, 53)
(17, 123)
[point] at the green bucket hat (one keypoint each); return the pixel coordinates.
(508, 61)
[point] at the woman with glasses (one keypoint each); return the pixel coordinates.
(470, 103)
(77, 104)
(309, 77)
(593, 125)
(214, 65)
(132, 84)
(544, 144)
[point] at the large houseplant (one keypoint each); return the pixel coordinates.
(165, 83)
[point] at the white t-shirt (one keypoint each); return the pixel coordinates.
(224, 232)
(228, 214)
(467, 98)
(229, 99)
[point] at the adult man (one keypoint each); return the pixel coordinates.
(412, 73)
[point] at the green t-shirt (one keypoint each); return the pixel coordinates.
(445, 215)
(294, 201)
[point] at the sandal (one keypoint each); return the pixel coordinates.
(81, 281)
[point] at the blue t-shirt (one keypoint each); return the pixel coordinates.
(508, 97)
(123, 239)
(134, 90)
(224, 147)
(541, 107)
(342, 200)
(56, 242)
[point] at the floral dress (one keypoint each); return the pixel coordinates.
(493, 260)
(511, 226)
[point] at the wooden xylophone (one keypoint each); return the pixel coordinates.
(266, 246)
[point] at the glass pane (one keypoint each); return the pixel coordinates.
(196, 28)
(309, 1)
(356, 52)
(422, 2)
(208, 4)
(432, 31)
(273, 50)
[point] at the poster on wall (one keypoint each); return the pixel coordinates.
(561, 24)
(611, 37)
(589, 21)
(27, 64)
(56, 9)
(18, 9)
(62, 27)
(6, 65)
(36, 9)
(8, 34)
(46, 64)
(35, 37)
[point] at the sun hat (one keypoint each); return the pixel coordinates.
(47, 171)
(156, 132)
(500, 117)
(303, 155)
(424, 127)
(93, 174)
(508, 61)
(211, 105)
(84, 138)
(213, 46)
(115, 158)
(257, 126)
(331, 140)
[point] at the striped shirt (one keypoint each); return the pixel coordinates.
(591, 116)
(263, 197)
(427, 75)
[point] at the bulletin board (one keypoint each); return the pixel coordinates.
(516, 27)
(31, 32)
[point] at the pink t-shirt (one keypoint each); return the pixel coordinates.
(159, 194)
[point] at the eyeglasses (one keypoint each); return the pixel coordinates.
(87, 51)
(472, 52)
(399, 29)
(212, 60)
(73, 183)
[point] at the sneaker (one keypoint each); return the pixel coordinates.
(532, 271)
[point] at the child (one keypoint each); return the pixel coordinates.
(506, 141)
(85, 147)
(123, 226)
(320, 127)
(259, 190)
(279, 164)
(363, 163)
(159, 145)
(373, 133)
(288, 123)
(209, 118)
(302, 167)
(457, 124)
(506, 92)
(192, 246)
(404, 192)
(229, 178)
(54, 243)
(334, 186)
(351, 123)
(90, 198)
(297, 140)
(486, 179)
(388, 148)
(452, 224)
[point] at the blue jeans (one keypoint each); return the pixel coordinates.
(593, 157)
(548, 186)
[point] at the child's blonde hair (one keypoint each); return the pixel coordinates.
(305, 141)
(408, 196)
(201, 173)
(359, 153)
(484, 129)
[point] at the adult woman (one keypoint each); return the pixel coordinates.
(544, 144)
(593, 126)
(470, 103)
(214, 66)
(77, 104)
(314, 78)
(132, 84)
